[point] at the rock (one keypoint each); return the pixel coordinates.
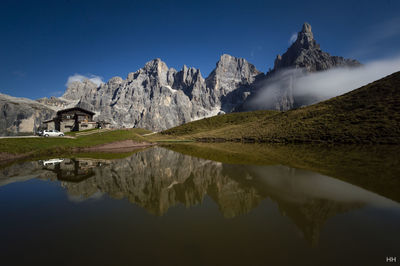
(232, 81)
(21, 115)
(77, 89)
(54, 102)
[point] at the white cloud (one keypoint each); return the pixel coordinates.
(293, 38)
(326, 84)
(77, 77)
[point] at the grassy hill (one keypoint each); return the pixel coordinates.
(370, 114)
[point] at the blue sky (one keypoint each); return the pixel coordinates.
(45, 42)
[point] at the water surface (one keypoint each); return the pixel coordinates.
(162, 207)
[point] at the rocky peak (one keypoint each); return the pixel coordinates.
(77, 89)
(115, 80)
(237, 65)
(306, 53)
(155, 66)
(305, 38)
(189, 79)
(306, 31)
(157, 72)
(190, 74)
(231, 70)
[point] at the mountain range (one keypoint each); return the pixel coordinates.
(157, 97)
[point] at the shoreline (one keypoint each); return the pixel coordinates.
(111, 147)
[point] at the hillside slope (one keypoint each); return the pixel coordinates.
(370, 114)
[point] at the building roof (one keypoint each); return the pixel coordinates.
(77, 109)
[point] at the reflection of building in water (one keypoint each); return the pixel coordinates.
(74, 170)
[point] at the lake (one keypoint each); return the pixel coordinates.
(211, 204)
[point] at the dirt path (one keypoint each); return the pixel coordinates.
(18, 137)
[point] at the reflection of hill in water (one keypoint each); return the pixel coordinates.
(300, 195)
(157, 179)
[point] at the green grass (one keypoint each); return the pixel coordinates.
(142, 131)
(59, 145)
(73, 133)
(218, 122)
(370, 114)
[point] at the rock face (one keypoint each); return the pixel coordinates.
(21, 116)
(232, 81)
(302, 57)
(55, 103)
(157, 97)
(78, 89)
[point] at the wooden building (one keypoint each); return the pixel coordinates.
(72, 119)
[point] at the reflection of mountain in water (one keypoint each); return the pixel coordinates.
(157, 179)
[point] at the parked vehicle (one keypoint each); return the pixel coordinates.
(52, 161)
(52, 133)
(39, 133)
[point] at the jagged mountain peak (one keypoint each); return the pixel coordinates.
(306, 53)
(77, 89)
(234, 66)
(86, 82)
(226, 60)
(231, 70)
(156, 65)
(227, 57)
(305, 38)
(306, 29)
(115, 79)
(191, 72)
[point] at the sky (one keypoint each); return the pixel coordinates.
(44, 44)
